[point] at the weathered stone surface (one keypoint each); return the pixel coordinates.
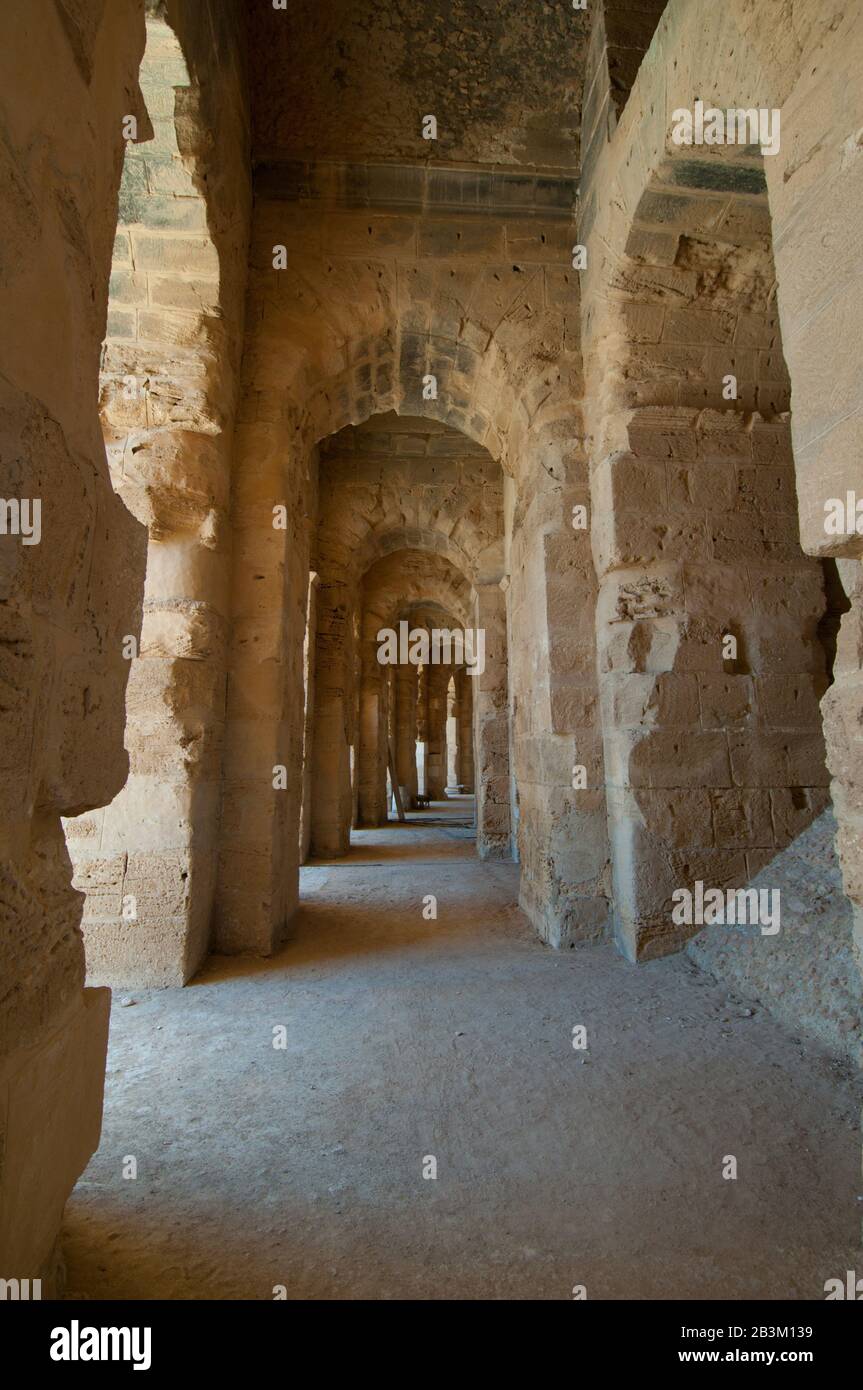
(168, 395)
(390, 391)
(67, 77)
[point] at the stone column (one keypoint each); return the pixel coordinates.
(372, 740)
(492, 728)
(451, 738)
(438, 679)
(332, 796)
(309, 719)
(423, 727)
(406, 731)
(169, 388)
(464, 724)
(710, 666)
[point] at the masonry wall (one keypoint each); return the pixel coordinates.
(660, 237)
(68, 76)
(168, 393)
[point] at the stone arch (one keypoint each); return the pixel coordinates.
(386, 542)
(415, 573)
(366, 306)
(418, 587)
(266, 658)
(397, 582)
(752, 63)
(429, 583)
(680, 290)
(365, 497)
(168, 386)
(404, 481)
(422, 690)
(363, 316)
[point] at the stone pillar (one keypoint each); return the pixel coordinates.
(260, 823)
(451, 737)
(464, 725)
(714, 750)
(438, 679)
(491, 722)
(332, 793)
(169, 388)
(820, 314)
(406, 692)
(423, 729)
(372, 740)
(309, 718)
(562, 836)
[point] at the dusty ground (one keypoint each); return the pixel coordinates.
(452, 1038)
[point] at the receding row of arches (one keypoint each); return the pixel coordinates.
(462, 498)
(430, 410)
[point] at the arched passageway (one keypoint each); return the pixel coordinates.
(438, 559)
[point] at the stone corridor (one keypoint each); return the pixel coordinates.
(453, 1038)
(431, 629)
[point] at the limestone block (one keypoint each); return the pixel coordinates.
(658, 537)
(194, 255)
(727, 701)
(663, 434)
(160, 883)
(173, 479)
(666, 758)
(742, 818)
(679, 821)
(794, 808)
(101, 879)
(150, 954)
(573, 707)
(190, 631)
(706, 485)
(641, 699)
(642, 646)
(790, 701)
(767, 759)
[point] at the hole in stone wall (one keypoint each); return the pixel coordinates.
(837, 603)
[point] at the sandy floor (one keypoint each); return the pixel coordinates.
(406, 1038)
